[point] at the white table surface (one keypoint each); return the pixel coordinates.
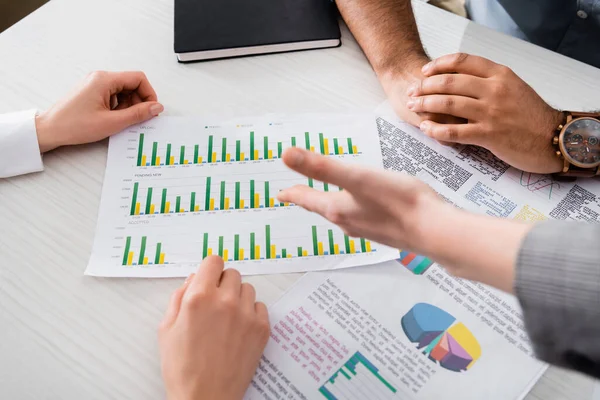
(66, 336)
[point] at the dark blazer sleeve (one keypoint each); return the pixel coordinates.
(558, 285)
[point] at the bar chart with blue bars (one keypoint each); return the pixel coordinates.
(415, 263)
(358, 379)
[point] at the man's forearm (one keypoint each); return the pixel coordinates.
(387, 32)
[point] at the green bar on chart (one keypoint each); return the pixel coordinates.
(205, 246)
(293, 141)
(268, 241)
(207, 198)
(337, 146)
(321, 143)
(252, 194)
(252, 246)
(210, 149)
(140, 150)
(142, 251)
(163, 202)
(134, 198)
(283, 253)
(350, 151)
(178, 204)
(299, 251)
(221, 246)
(307, 140)
(347, 244)
(154, 151)
(315, 241)
(326, 186)
(238, 152)
(237, 195)
(310, 182)
(224, 150)
(267, 198)
(251, 145)
(196, 153)
(331, 242)
(279, 149)
(236, 248)
(363, 245)
(266, 148)
(222, 205)
(181, 155)
(157, 255)
(168, 158)
(193, 202)
(126, 253)
(148, 201)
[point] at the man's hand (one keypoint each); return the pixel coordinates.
(387, 207)
(505, 115)
(212, 335)
(105, 103)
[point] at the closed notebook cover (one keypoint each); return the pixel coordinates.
(202, 25)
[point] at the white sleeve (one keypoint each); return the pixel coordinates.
(19, 148)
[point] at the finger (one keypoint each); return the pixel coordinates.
(459, 106)
(231, 281)
(175, 302)
(248, 296)
(322, 168)
(461, 63)
(262, 311)
(457, 84)
(132, 81)
(463, 133)
(207, 277)
(310, 199)
(123, 118)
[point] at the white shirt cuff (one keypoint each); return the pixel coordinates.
(19, 148)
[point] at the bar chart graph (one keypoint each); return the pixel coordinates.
(357, 379)
(143, 256)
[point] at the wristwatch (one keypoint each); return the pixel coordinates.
(577, 143)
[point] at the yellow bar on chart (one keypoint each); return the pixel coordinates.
(199, 160)
(273, 251)
(241, 254)
(241, 203)
(368, 246)
(157, 160)
(214, 157)
(197, 208)
(181, 210)
(352, 249)
(145, 261)
(212, 204)
(256, 200)
(167, 207)
(162, 258)
(270, 154)
(256, 252)
(172, 160)
(137, 208)
(152, 209)
(272, 203)
(336, 249)
(186, 161)
(143, 160)
(286, 204)
(130, 258)
(312, 148)
(320, 246)
(241, 157)
(228, 157)
(326, 145)
(209, 252)
(341, 150)
(226, 203)
(289, 256)
(225, 254)
(354, 150)
(256, 154)
(304, 253)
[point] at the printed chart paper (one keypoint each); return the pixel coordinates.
(179, 189)
(383, 332)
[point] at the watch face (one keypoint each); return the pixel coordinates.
(580, 142)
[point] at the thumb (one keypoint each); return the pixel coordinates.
(135, 114)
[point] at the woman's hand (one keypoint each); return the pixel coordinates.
(212, 336)
(104, 104)
(505, 115)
